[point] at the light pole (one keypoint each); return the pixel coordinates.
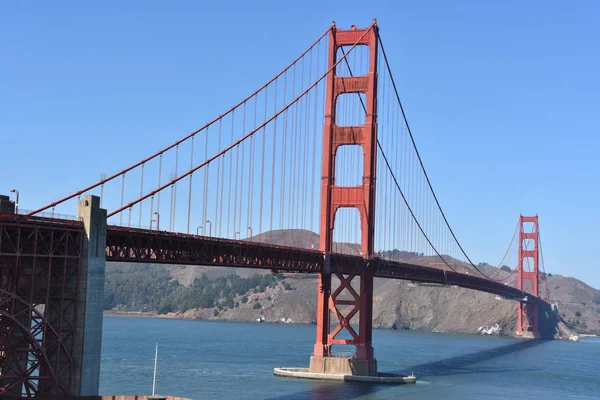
(236, 236)
(249, 229)
(157, 220)
(209, 227)
(16, 201)
(197, 229)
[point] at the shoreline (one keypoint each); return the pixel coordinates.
(151, 314)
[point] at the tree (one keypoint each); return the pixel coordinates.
(152, 288)
(165, 308)
(215, 313)
(506, 268)
(578, 314)
(256, 306)
(597, 298)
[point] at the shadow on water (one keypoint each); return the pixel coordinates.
(458, 365)
(450, 366)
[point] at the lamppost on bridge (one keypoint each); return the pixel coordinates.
(249, 229)
(208, 221)
(198, 229)
(157, 220)
(17, 200)
(103, 177)
(236, 236)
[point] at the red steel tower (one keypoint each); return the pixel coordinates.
(528, 314)
(359, 285)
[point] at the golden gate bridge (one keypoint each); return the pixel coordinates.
(323, 146)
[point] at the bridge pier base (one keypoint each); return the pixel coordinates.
(537, 321)
(528, 335)
(343, 365)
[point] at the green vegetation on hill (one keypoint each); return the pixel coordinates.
(151, 288)
(219, 293)
(137, 287)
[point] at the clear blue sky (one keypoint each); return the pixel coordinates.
(503, 98)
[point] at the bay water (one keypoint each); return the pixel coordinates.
(232, 360)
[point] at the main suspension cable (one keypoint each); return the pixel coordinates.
(244, 138)
(190, 135)
(344, 54)
(421, 161)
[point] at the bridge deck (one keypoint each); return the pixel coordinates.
(150, 246)
(140, 245)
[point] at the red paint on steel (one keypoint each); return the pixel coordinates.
(361, 197)
(528, 312)
(39, 296)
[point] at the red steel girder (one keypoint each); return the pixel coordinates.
(137, 245)
(39, 289)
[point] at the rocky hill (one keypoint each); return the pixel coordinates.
(397, 304)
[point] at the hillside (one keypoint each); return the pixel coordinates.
(176, 291)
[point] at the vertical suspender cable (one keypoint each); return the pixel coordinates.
(190, 188)
(205, 197)
(314, 152)
(273, 165)
(175, 185)
(141, 194)
(229, 197)
(262, 165)
(122, 198)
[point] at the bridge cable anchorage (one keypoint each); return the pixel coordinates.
(423, 166)
(189, 136)
(396, 181)
(251, 134)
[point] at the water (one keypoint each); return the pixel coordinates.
(228, 360)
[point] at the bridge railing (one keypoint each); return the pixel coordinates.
(50, 215)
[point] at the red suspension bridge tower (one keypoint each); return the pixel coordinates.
(528, 280)
(331, 305)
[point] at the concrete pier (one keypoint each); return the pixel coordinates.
(344, 369)
(304, 373)
(343, 365)
(88, 340)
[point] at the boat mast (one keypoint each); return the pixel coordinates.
(155, 365)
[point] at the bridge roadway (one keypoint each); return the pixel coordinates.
(150, 246)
